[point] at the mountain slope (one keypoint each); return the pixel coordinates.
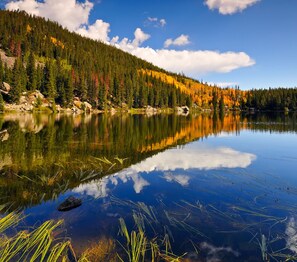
(41, 55)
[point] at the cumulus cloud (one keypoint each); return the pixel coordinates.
(155, 21)
(228, 7)
(192, 63)
(69, 13)
(98, 31)
(140, 37)
(179, 41)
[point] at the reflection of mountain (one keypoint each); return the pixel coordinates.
(50, 154)
(173, 159)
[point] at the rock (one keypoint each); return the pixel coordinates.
(70, 203)
(185, 109)
(77, 103)
(75, 110)
(36, 94)
(182, 110)
(87, 106)
(6, 87)
(58, 108)
(4, 135)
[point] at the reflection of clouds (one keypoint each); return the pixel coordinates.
(96, 189)
(183, 180)
(200, 158)
(291, 232)
(214, 253)
(101, 188)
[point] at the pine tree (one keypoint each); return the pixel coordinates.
(31, 73)
(69, 90)
(50, 81)
(17, 81)
(1, 72)
(214, 100)
(1, 103)
(222, 104)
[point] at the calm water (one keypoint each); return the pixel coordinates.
(221, 188)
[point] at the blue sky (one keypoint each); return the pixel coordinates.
(252, 43)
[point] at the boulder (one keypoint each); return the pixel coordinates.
(4, 135)
(6, 87)
(77, 103)
(70, 203)
(87, 106)
(182, 110)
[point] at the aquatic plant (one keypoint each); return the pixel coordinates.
(38, 245)
(139, 247)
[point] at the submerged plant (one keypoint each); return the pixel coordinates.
(103, 250)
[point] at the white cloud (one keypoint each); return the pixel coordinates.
(192, 63)
(140, 37)
(155, 21)
(69, 13)
(98, 31)
(228, 7)
(152, 19)
(223, 84)
(179, 41)
(163, 22)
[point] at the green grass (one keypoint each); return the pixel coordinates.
(38, 245)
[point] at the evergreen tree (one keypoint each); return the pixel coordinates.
(69, 90)
(1, 72)
(17, 82)
(31, 73)
(50, 81)
(215, 100)
(222, 104)
(1, 103)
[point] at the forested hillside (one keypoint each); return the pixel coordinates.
(41, 55)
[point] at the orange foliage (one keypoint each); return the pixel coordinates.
(28, 29)
(201, 94)
(56, 42)
(200, 127)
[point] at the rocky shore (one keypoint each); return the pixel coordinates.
(35, 101)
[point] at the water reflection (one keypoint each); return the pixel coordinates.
(217, 185)
(189, 157)
(53, 153)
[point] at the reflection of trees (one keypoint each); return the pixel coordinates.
(46, 155)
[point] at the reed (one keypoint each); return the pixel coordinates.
(37, 245)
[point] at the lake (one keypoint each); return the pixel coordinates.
(219, 188)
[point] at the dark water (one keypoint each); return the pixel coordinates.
(221, 188)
